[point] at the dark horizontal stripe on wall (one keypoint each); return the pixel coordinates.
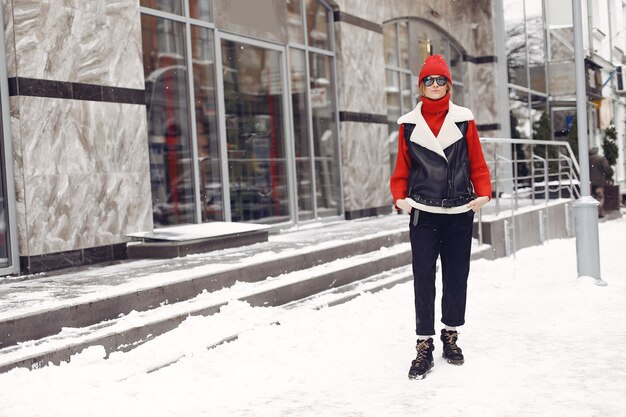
(370, 212)
(357, 21)
(348, 116)
(492, 126)
(480, 59)
(32, 87)
(79, 257)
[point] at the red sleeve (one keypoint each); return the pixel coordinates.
(479, 173)
(400, 178)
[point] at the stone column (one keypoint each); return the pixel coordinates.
(78, 128)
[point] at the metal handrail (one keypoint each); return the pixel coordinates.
(546, 178)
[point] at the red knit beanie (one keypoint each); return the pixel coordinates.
(435, 65)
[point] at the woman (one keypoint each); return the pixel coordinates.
(441, 179)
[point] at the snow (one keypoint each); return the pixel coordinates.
(538, 342)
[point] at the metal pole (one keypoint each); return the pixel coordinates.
(585, 208)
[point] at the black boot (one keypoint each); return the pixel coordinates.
(451, 352)
(424, 360)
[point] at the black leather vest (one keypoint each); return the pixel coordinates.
(435, 181)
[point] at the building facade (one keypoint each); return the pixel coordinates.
(122, 116)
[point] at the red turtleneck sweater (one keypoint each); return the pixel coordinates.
(434, 112)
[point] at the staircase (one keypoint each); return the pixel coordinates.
(48, 318)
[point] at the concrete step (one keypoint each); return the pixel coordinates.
(279, 282)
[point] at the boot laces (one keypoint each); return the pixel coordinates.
(451, 338)
(422, 348)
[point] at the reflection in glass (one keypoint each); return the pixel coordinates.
(403, 42)
(391, 45)
(407, 96)
(392, 143)
(317, 25)
(536, 44)
(201, 10)
(302, 145)
(520, 128)
(171, 6)
(294, 21)
(206, 123)
(394, 109)
(325, 132)
(456, 66)
(253, 99)
(515, 42)
(168, 121)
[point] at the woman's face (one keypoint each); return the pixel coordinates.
(435, 91)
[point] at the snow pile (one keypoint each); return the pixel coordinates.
(538, 342)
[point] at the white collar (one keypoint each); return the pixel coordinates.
(449, 133)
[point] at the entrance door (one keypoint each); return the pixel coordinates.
(255, 97)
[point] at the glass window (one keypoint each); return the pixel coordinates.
(302, 145)
(515, 42)
(294, 21)
(394, 106)
(391, 45)
(253, 99)
(317, 24)
(325, 131)
(407, 95)
(403, 42)
(536, 45)
(201, 10)
(520, 128)
(167, 107)
(171, 6)
(456, 66)
(206, 123)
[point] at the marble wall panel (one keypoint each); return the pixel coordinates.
(360, 60)
(9, 38)
(366, 169)
(94, 42)
(86, 174)
(69, 212)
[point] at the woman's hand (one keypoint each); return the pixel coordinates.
(402, 204)
(477, 203)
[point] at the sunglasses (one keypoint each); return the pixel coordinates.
(441, 81)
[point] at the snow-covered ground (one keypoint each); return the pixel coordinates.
(538, 342)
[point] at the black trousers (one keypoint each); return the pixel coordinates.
(448, 236)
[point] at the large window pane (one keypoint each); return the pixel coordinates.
(407, 95)
(515, 42)
(394, 109)
(391, 45)
(167, 99)
(206, 124)
(253, 99)
(520, 128)
(536, 44)
(403, 43)
(302, 144)
(325, 140)
(318, 27)
(201, 9)
(294, 20)
(172, 6)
